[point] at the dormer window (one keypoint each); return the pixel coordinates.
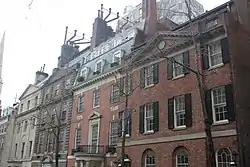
(88, 58)
(84, 73)
(98, 67)
(117, 42)
(116, 58)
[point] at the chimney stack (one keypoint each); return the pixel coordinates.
(149, 13)
(40, 76)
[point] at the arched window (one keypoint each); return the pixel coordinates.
(148, 158)
(223, 157)
(180, 157)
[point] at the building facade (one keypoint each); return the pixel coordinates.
(22, 143)
(7, 135)
(166, 127)
(54, 119)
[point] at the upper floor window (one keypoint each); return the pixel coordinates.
(149, 118)
(80, 103)
(84, 73)
(28, 105)
(113, 133)
(21, 108)
(180, 111)
(149, 75)
(36, 101)
(67, 83)
(25, 126)
(96, 98)
(98, 67)
(176, 65)
(115, 94)
(117, 42)
(117, 57)
(57, 89)
(220, 104)
(125, 119)
(214, 52)
(223, 157)
(78, 134)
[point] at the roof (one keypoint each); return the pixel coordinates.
(26, 90)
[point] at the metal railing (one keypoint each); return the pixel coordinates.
(94, 149)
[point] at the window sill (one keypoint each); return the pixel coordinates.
(220, 123)
(149, 86)
(148, 132)
(178, 77)
(179, 128)
(216, 66)
(127, 136)
(94, 107)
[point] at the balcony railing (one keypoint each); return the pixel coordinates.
(94, 149)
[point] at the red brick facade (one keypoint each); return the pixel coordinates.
(164, 142)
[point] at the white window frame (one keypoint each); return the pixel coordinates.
(148, 118)
(123, 124)
(175, 65)
(100, 61)
(57, 90)
(117, 41)
(221, 105)
(147, 75)
(176, 158)
(94, 98)
(145, 160)
(217, 158)
(94, 122)
(76, 135)
(115, 95)
(219, 53)
(180, 111)
(80, 103)
(84, 73)
(113, 135)
(119, 53)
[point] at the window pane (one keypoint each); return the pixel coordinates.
(149, 75)
(178, 69)
(149, 118)
(224, 157)
(219, 104)
(215, 55)
(113, 134)
(182, 159)
(179, 110)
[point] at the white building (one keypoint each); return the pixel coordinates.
(25, 124)
(175, 10)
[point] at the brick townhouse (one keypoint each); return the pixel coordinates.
(167, 127)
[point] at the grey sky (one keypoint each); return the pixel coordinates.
(34, 37)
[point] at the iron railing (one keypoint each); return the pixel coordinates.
(94, 149)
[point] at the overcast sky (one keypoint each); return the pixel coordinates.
(34, 37)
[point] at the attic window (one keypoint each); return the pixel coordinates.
(117, 42)
(98, 67)
(212, 23)
(88, 58)
(84, 73)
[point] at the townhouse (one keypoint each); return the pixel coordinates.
(167, 127)
(22, 143)
(52, 133)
